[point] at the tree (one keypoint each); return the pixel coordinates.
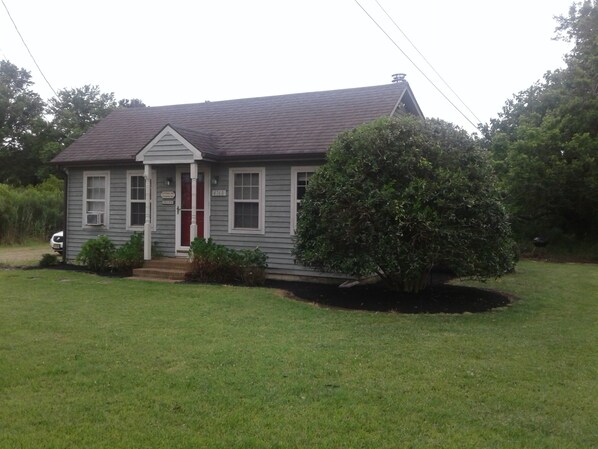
(28, 140)
(399, 196)
(73, 112)
(131, 103)
(21, 125)
(545, 141)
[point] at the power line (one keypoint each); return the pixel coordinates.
(27, 47)
(416, 66)
(427, 62)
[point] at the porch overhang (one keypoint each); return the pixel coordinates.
(175, 145)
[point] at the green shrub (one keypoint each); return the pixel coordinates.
(48, 260)
(217, 263)
(97, 254)
(397, 197)
(129, 255)
(212, 262)
(253, 266)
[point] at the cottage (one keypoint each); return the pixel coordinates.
(231, 170)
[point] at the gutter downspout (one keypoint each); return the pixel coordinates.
(65, 214)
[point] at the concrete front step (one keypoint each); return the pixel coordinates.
(169, 263)
(168, 269)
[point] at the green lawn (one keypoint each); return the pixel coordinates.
(95, 362)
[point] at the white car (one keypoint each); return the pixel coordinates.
(57, 242)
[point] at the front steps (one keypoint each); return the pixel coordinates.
(171, 269)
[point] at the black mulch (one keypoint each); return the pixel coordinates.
(442, 298)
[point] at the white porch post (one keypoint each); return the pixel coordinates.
(147, 227)
(193, 227)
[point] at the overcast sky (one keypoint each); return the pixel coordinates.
(179, 51)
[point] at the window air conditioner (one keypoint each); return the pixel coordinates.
(95, 218)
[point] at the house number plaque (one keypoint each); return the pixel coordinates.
(218, 192)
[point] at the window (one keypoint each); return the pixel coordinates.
(246, 203)
(299, 181)
(96, 198)
(136, 200)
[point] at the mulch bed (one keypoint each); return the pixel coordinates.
(442, 298)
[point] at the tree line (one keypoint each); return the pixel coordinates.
(544, 143)
(33, 131)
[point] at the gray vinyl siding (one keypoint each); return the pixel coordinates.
(276, 241)
(77, 234)
(164, 235)
(168, 148)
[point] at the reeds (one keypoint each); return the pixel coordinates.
(32, 212)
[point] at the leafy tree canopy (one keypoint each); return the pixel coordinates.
(21, 123)
(399, 196)
(33, 132)
(545, 141)
(131, 103)
(74, 111)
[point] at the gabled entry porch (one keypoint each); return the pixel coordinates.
(184, 199)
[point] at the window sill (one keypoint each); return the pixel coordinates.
(247, 231)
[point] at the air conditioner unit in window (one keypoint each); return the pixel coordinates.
(94, 218)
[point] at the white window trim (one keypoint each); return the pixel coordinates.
(261, 202)
(294, 172)
(131, 173)
(89, 174)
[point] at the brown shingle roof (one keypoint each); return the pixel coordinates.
(278, 126)
(204, 142)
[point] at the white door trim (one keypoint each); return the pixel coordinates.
(202, 168)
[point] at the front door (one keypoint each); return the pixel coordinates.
(185, 208)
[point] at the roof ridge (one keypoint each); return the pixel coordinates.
(189, 130)
(403, 84)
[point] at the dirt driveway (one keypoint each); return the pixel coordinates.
(23, 255)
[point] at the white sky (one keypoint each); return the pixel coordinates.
(185, 51)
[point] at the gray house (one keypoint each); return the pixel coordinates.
(233, 170)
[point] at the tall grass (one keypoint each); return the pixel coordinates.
(32, 212)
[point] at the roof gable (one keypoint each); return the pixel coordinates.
(169, 147)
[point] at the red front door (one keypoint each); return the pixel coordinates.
(186, 208)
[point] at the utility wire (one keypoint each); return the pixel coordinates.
(416, 66)
(27, 47)
(427, 62)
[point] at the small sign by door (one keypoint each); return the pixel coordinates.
(167, 195)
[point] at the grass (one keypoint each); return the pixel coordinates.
(95, 362)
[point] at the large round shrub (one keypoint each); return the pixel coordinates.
(399, 196)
